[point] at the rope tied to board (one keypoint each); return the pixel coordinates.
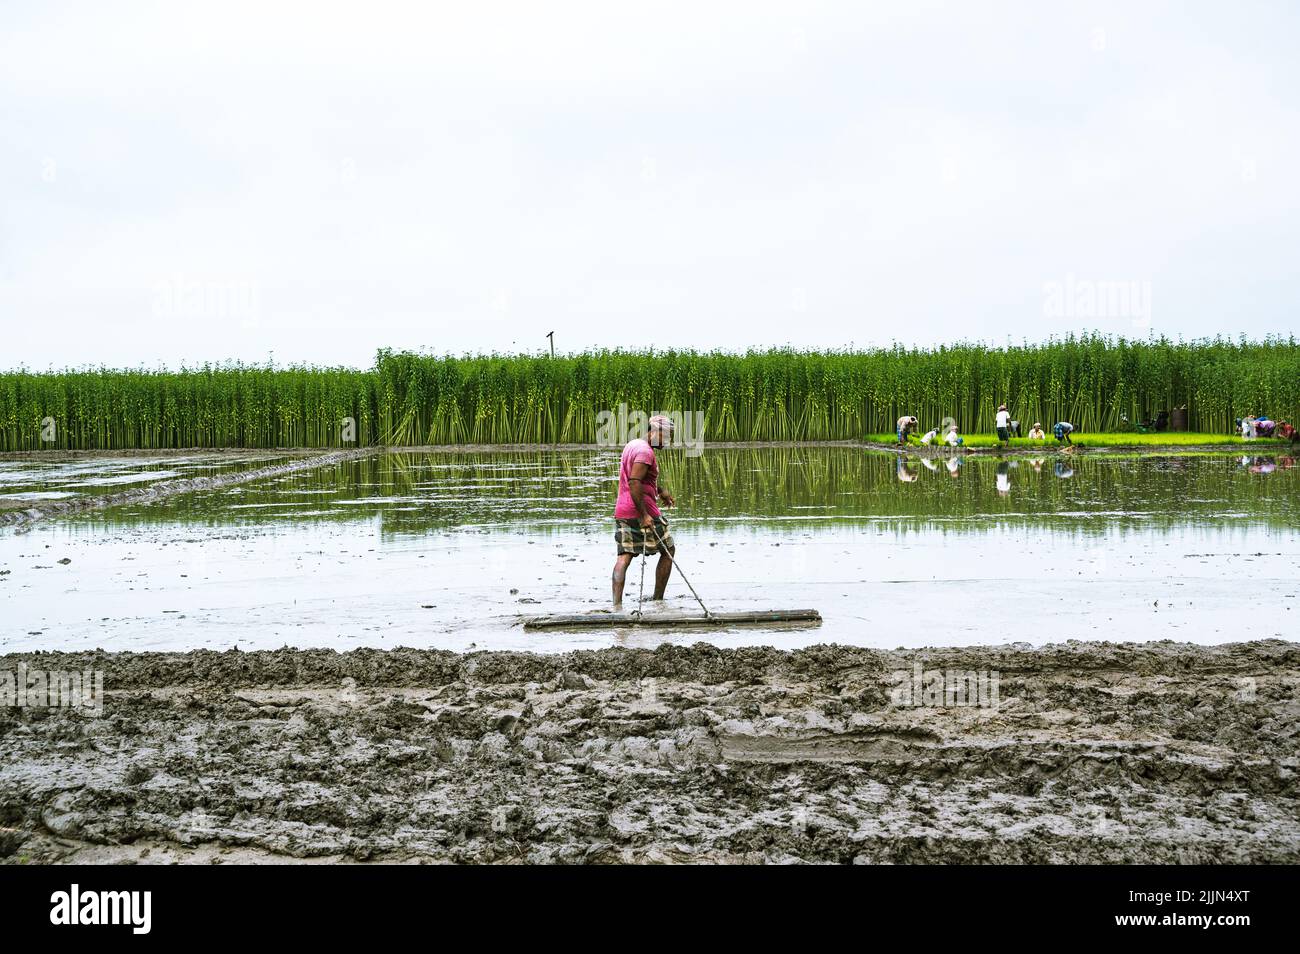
(640, 600)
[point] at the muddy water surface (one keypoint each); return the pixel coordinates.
(452, 550)
(32, 479)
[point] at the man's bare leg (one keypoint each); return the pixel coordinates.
(621, 563)
(663, 569)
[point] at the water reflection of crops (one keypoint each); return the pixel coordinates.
(416, 493)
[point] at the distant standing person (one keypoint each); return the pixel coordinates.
(1004, 425)
(1062, 431)
(639, 526)
(906, 425)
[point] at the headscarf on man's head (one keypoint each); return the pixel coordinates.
(663, 424)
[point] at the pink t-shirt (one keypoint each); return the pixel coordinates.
(638, 451)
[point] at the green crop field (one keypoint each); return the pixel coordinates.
(407, 398)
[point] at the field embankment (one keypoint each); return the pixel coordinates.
(1116, 753)
(777, 395)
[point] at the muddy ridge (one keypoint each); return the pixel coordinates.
(170, 488)
(1103, 752)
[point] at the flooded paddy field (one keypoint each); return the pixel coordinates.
(28, 479)
(1140, 742)
(452, 550)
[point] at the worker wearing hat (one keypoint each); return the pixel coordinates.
(1004, 425)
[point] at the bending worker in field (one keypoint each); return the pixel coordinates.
(639, 526)
(906, 427)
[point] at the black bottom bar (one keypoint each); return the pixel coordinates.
(1221, 905)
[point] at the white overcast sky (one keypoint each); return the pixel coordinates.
(182, 182)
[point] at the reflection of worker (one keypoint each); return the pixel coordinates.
(1063, 469)
(1004, 478)
(954, 465)
(905, 471)
(1036, 432)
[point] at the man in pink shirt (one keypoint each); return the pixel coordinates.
(639, 526)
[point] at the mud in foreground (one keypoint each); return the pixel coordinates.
(1094, 753)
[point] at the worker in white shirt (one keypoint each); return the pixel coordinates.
(1004, 425)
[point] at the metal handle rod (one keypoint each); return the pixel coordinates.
(664, 550)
